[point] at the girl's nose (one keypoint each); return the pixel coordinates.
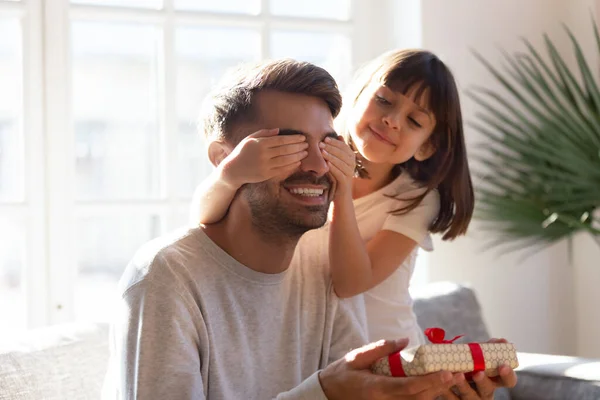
(392, 120)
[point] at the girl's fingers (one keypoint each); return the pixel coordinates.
(288, 159)
(264, 133)
(343, 153)
(286, 149)
(340, 144)
(335, 141)
(338, 175)
(286, 170)
(347, 170)
(276, 141)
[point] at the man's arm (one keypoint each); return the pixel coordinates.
(154, 346)
(350, 378)
(309, 389)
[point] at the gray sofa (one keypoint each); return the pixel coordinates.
(68, 362)
(541, 377)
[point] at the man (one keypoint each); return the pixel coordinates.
(215, 312)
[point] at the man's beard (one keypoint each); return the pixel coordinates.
(273, 217)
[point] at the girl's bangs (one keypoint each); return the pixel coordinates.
(420, 81)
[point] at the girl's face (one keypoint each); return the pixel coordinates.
(388, 127)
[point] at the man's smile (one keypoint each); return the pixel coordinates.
(308, 194)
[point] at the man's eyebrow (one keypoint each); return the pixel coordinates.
(284, 132)
(332, 135)
(287, 132)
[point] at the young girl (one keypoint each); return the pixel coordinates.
(402, 124)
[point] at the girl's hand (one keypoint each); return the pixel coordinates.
(342, 162)
(262, 156)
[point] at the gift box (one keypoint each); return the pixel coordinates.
(445, 355)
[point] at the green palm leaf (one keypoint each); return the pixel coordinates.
(539, 167)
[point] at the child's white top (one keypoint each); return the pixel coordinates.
(389, 306)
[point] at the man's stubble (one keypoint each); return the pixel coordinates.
(273, 217)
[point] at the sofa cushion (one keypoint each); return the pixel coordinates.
(551, 377)
(55, 363)
(455, 309)
(451, 307)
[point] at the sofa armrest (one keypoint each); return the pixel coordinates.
(549, 377)
(59, 362)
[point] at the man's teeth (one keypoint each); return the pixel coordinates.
(307, 192)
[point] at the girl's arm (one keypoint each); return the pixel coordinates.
(260, 156)
(356, 266)
(212, 198)
(349, 261)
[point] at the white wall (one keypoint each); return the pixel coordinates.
(586, 263)
(534, 302)
(586, 252)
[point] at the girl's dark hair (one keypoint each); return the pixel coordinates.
(447, 170)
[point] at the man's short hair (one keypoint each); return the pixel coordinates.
(231, 102)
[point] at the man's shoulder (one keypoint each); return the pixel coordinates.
(160, 256)
(311, 256)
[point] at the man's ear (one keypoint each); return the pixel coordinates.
(217, 151)
(426, 150)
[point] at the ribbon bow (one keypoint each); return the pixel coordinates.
(437, 335)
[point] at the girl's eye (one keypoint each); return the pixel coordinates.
(382, 100)
(414, 122)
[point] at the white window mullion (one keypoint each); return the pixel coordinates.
(168, 111)
(114, 14)
(36, 270)
(265, 34)
(9, 8)
(60, 159)
(297, 24)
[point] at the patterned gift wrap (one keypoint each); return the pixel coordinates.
(443, 355)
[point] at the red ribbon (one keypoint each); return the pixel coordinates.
(437, 336)
(395, 362)
(478, 360)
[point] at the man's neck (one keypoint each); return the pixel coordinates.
(237, 235)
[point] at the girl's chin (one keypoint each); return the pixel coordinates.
(379, 156)
(374, 157)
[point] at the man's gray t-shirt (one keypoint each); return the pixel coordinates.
(193, 323)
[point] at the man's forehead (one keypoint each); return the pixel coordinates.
(309, 115)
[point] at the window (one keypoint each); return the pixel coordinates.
(14, 218)
(98, 147)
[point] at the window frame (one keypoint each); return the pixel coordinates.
(50, 207)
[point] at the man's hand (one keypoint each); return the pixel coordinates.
(342, 162)
(351, 378)
(262, 156)
(484, 385)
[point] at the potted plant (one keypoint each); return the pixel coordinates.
(539, 168)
